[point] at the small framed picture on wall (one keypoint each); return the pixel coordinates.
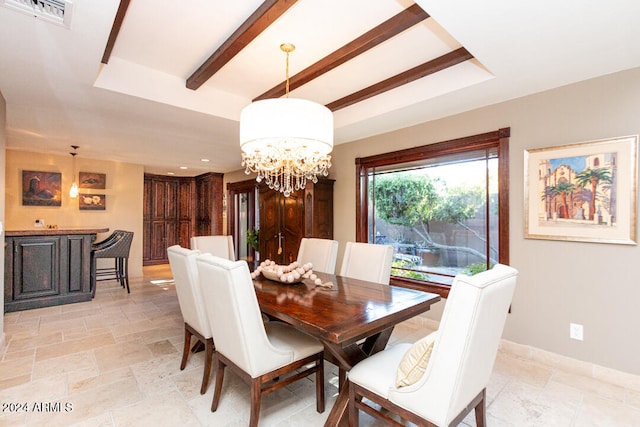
(92, 180)
(92, 202)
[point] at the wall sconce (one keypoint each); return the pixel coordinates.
(73, 191)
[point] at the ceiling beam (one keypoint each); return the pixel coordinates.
(115, 30)
(388, 29)
(259, 20)
(445, 61)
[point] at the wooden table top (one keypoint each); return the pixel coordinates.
(352, 309)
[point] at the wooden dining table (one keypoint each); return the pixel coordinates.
(353, 318)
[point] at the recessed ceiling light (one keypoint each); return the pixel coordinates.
(170, 173)
(205, 160)
(183, 167)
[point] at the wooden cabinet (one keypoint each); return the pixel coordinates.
(46, 269)
(160, 221)
(176, 208)
(286, 220)
(186, 206)
(209, 190)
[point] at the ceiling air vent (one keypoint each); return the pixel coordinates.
(56, 11)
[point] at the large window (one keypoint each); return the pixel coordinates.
(443, 207)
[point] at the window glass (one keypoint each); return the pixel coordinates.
(441, 216)
(438, 206)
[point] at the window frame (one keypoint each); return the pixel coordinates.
(249, 187)
(496, 139)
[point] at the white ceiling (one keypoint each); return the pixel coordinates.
(137, 109)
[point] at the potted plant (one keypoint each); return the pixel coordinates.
(253, 238)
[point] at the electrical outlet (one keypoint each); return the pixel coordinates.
(576, 331)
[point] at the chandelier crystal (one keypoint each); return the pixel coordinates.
(286, 141)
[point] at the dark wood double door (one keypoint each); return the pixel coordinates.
(286, 220)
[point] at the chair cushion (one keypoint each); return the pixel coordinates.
(415, 360)
(378, 372)
(286, 338)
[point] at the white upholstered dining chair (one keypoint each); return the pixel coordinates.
(267, 356)
(322, 253)
(442, 377)
(185, 277)
(366, 261)
(220, 246)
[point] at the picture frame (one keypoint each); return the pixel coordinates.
(584, 192)
(41, 188)
(92, 202)
(92, 180)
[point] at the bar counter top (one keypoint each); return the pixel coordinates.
(55, 231)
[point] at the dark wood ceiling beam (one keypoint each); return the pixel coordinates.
(115, 30)
(445, 61)
(388, 29)
(259, 20)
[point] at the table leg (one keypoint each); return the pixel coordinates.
(339, 415)
(346, 358)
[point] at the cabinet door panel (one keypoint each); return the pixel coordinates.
(36, 268)
(147, 199)
(171, 236)
(146, 241)
(171, 201)
(270, 209)
(77, 264)
(185, 200)
(292, 226)
(184, 234)
(158, 248)
(159, 200)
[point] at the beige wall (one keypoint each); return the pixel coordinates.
(560, 282)
(3, 143)
(124, 197)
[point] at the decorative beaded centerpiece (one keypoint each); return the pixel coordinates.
(290, 274)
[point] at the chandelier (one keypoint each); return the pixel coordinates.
(286, 141)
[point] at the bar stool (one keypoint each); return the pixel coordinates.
(116, 246)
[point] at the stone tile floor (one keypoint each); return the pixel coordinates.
(114, 361)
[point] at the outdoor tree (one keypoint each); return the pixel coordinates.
(413, 201)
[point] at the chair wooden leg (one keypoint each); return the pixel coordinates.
(480, 410)
(218, 388)
(208, 360)
(185, 351)
(354, 412)
(256, 395)
(320, 386)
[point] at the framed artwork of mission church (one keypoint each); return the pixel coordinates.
(584, 192)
